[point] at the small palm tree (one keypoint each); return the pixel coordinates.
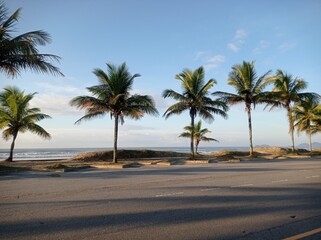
(307, 115)
(16, 116)
(113, 96)
(286, 92)
(249, 88)
(20, 52)
(199, 134)
(195, 99)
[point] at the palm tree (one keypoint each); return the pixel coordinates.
(113, 96)
(286, 92)
(249, 89)
(16, 116)
(195, 99)
(199, 134)
(307, 115)
(20, 52)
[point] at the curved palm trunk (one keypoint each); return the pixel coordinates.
(291, 126)
(196, 146)
(10, 158)
(115, 139)
(192, 114)
(248, 109)
(310, 141)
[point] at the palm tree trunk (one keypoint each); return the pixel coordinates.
(291, 126)
(196, 147)
(248, 109)
(310, 141)
(10, 158)
(192, 114)
(115, 139)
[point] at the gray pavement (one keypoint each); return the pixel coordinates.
(271, 199)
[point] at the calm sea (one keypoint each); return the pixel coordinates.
(63, 153)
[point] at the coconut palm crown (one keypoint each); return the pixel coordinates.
(307, 117)
(112, 96)
(20, 52)
(195, 99)
(199, 134)
(17, 116)
(249, 90)
(286, 92)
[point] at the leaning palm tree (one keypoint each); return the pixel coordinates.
(20, 52)
(195, 99)
(249, 89)
(199, 134)
(286, 92)
(307, 115)
(113, 96)
(16, 116)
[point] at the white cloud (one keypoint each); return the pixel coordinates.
(287, 46)
(240, 34)
(54, 104)
(233, 46)
(214, 62)
(200, 55)
(238, 40)
(60, 87)
(210, 61)
(131, 127)
(263, 44)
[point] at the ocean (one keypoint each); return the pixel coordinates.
(64, 153)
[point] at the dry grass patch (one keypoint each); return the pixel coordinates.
(125, 155)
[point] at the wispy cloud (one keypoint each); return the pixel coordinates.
(60, 88)
(210, 61)
(214, 62)
(238, 40)
(287, 46)
(233, 46)
(240, 34)
(54, 104)
(263, 44)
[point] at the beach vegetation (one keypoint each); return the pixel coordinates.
(113, 95)
(21, 52)
(286, 92)
(195, 98)
(307, 117)
(249, 90)
(199, 134)
(16, 116)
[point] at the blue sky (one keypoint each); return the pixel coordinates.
(158, 39)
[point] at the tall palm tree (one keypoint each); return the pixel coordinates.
(112, 95)
(195, 99)
(306, 115)
(249, 89)
(199, 134)
(286, 92)
(16, 116)
(20, 52)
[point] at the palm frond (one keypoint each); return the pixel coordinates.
(176, 109)
(38, 130)
(21, 52)
(16, 116)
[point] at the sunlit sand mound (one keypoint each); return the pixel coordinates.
(273, 150)
(262, 152)
(126, 154)
(228, 155)
(316, 151)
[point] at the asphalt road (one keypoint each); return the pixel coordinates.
(272, 199)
